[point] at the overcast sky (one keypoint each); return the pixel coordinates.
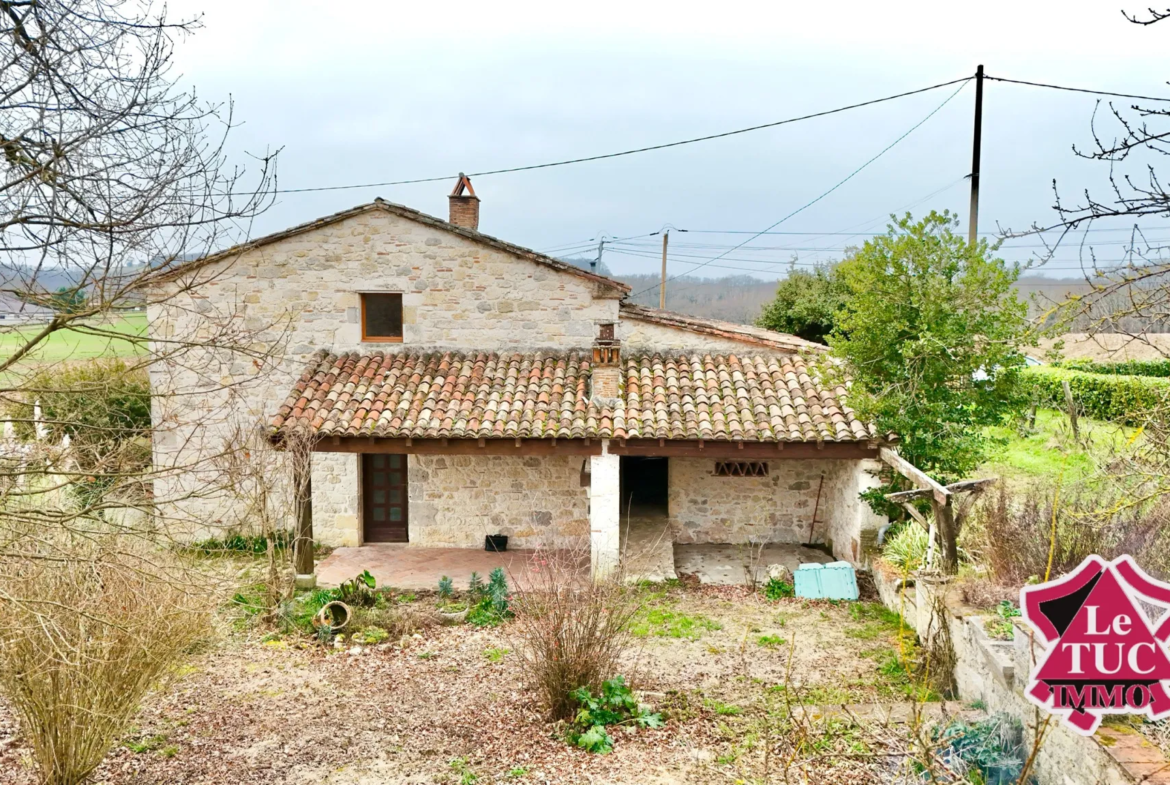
(377, 91)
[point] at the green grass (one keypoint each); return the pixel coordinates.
(665, 623)
(770, 641)
(1050, 451)
(71, 344)
(723, 709)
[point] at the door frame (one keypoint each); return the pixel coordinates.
(365, 506)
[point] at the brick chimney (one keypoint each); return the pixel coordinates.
(464, 206)
(606, 376)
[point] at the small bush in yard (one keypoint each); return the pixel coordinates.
(91, 625)
(615, 704)
(492, 607)
(1000, 625)
(358, 590)
(776, 589)
(570, 632)
(906, 550)
(1012, 532)
(446, 588)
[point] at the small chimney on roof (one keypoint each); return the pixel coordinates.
(606, 374)
(464, 206)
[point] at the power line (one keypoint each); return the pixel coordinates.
(986, 234)
(636, 150)
(1074, 89)
(850, 176)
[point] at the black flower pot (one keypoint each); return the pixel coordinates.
(495, 542)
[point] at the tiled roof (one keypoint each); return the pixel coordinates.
(539, 395)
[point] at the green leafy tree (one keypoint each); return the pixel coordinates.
(807, 303)
(931, 334)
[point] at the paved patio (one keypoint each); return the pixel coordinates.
(407, 567)
(650, 555)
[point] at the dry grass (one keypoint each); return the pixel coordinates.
(1018, 535)
(90, 625)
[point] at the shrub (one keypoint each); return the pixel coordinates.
(615, 704)
(906, 549)
(358, 590)
(255, 545)
(446, 588)
(98, 622)
(1013, 532)
(1125, 399)
(492, 607)
(570, 632)
(103, 406)
(776, 589)
(1156, 368)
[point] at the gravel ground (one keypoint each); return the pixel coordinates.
(434, 708)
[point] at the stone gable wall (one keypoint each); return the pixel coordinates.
(642, 337)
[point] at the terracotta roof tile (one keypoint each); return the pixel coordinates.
(541, 395)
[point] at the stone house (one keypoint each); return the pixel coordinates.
(455, 386)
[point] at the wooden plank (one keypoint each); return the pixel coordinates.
(742, 451)
(965, 486)
(915, 475)
(944, 518)
(303, 544)
(458, 446)
(648, 447)
(915, 514)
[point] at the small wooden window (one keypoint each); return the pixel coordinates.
(741, 468)
(382, 317)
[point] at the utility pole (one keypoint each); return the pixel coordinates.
(595, 265)
(662, 288)
(973, 230)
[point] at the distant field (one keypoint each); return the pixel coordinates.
(65, 345)
(1108, 347)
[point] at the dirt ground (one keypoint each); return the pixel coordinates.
(450, 705)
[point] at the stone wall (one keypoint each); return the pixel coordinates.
(277, 304)
(455, 500)
(640, 336)
(536, 500)
(995, 673)
(778, 507)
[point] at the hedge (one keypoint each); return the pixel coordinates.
(1157, 368)
(1115, 398)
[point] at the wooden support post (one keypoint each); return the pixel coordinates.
(1071, 403)
(944, 519)
(303, 543)
(662, 286)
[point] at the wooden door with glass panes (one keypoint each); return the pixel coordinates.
(384, 498)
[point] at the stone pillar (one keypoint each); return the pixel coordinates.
(604, 512)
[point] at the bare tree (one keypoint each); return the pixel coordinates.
(1131, 297)
(112, 176)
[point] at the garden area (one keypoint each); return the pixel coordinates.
(700, 684)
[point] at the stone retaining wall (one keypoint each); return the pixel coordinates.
(996, 673)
